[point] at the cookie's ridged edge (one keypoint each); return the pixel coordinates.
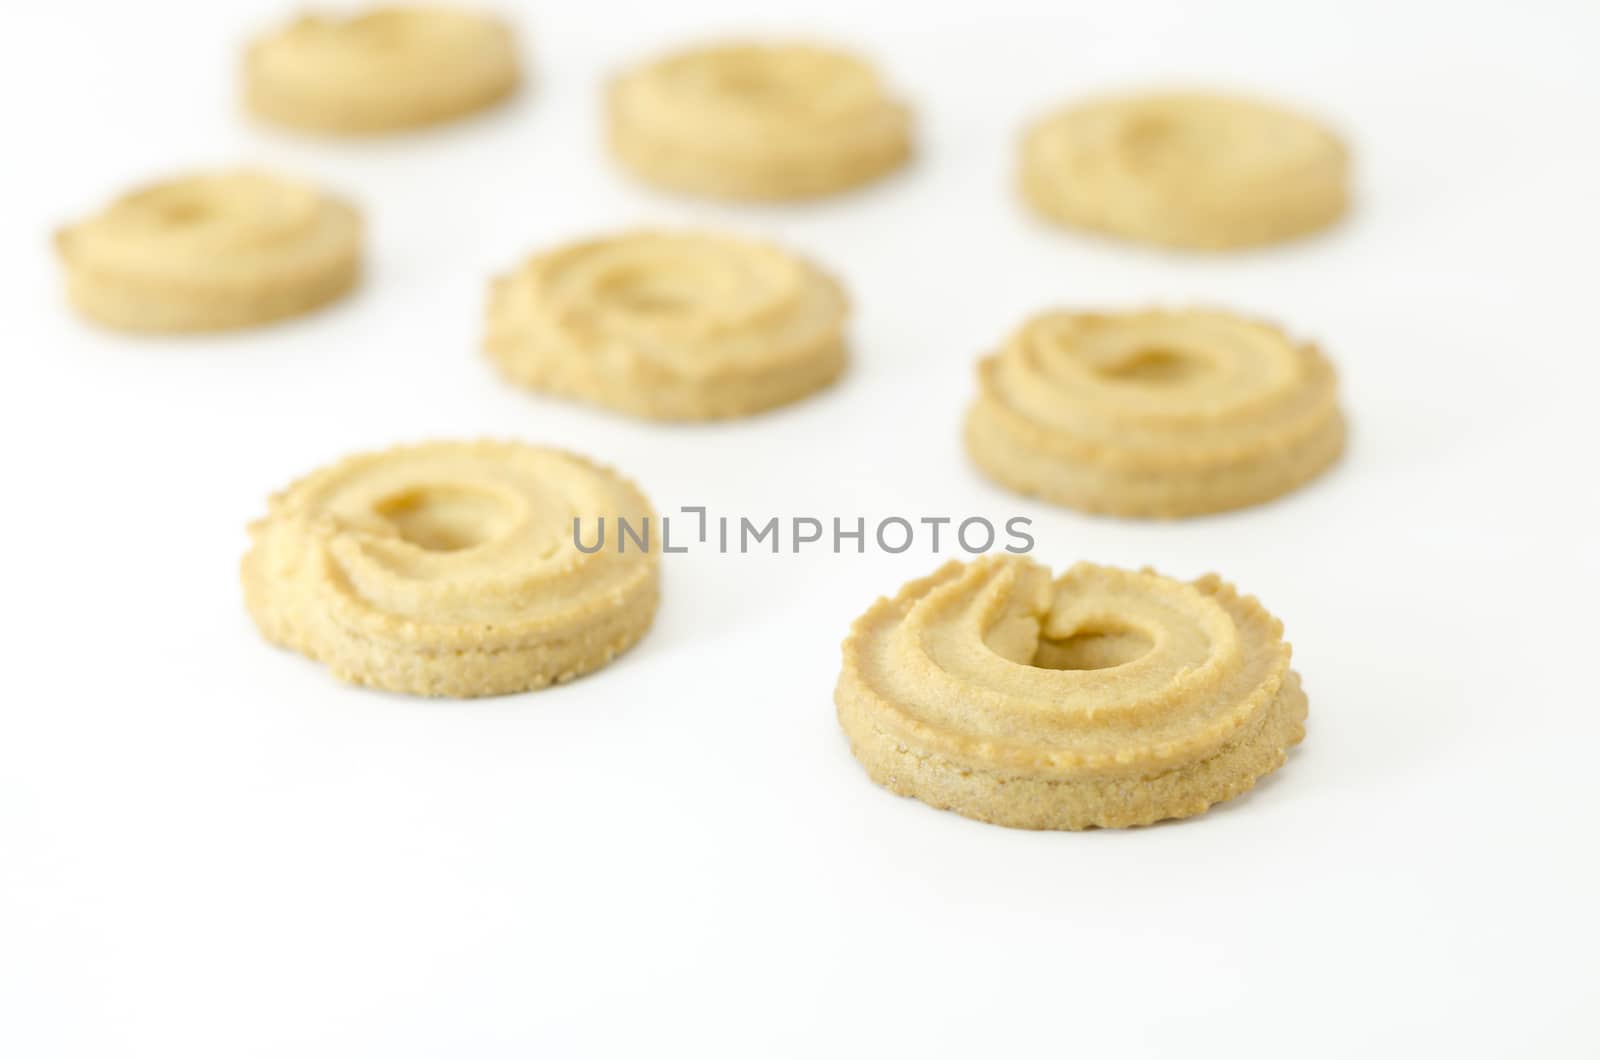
(1322, 451)
(1054, 805)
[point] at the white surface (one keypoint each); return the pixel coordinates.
(210, 849)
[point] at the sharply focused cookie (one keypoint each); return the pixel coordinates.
(1102, 698)
(1159, 414)
(204, 253)
(757, 121)
(388, 69)
(669, 325)
(453, 568)
(1185, 170)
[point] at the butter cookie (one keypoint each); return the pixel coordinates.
(453, 568)
(211, 252)
(682, 326)
(1103, 698)
(1186, 170)
(1157, 414)
(389, 69)
(757, 121)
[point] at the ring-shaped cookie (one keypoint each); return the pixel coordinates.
(669, 325)
(1103, 698)
(389, 69)
(211, 252)
(757, 121)
(453, 568)
(1190, 170)
(1154, 414)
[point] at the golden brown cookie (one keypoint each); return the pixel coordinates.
(1154, 413)
(757, 121)
(1185, 170)
(1101, 699)
(204, 253)
(391, 68)
(669, 325)
(450, 568)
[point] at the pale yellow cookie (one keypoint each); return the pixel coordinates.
(757, 121)
(451, 569)
(1154, 413)
(389, 69)
(204, 253)
(1103, 698)
(1185, 170)
(669, 325)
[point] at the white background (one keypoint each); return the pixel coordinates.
(208, 848)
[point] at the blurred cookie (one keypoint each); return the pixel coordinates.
(204, 253)
(1103, 698)
(669, 325)
(757, 121)
(385, 70)
(1185, 170)
(450, 568)
(1154, 413)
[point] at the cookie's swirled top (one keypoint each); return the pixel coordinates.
(672, 325)
(1154, 413)
(389, 68)
(761, 121)
(1101, 698)
(1186, 169)
(212, 251)
(214, 225)
(451, 568)
(764, 89)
